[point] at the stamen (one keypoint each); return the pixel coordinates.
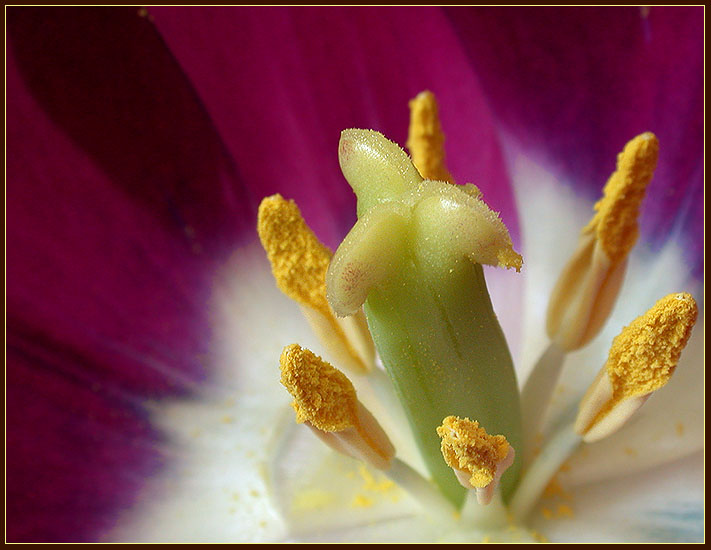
(641, 360)
(426, 140)
(588, 286)
(478, 459)
(299, 264)
(326, 401)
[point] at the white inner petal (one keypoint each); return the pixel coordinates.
(214, 487)
(220, 484)
(665, 504)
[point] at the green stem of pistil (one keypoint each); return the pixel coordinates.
(440, 340)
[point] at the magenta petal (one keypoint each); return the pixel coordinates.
(78, 446)
(281, 84)
(121, 203)
(105, 78)
(572, 85)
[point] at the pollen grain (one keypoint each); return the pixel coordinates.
(644, 355)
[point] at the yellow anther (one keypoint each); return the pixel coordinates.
(426, 140)
(299, 260)
(641, 360)
(325, 400)
(643, 357)
(468, 448)
(589, 284)
(616, 213)
(323, 395)
(299, 263)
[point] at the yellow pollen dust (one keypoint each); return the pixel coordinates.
(361, 501)
(616, 213)
(643, 357)
(425, 138)
(467, 447)
(299, 260)
(323, 396)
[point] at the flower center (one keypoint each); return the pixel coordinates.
(413, 264)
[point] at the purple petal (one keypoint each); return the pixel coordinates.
(128, 106)
(121, 200)
(281, 84)
(572, 85)
(78, 447)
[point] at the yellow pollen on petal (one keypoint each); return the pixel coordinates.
(629, 451)
(425, 138)
(371, 484)
(616, 213)
(299, 264)
(323, 396)
(467, 447)
(311, 499)
(555, 489)
(565, 511)
(362, 501)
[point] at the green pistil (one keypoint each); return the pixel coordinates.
(414, 259)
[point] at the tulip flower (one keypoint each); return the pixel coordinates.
(144, 326)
